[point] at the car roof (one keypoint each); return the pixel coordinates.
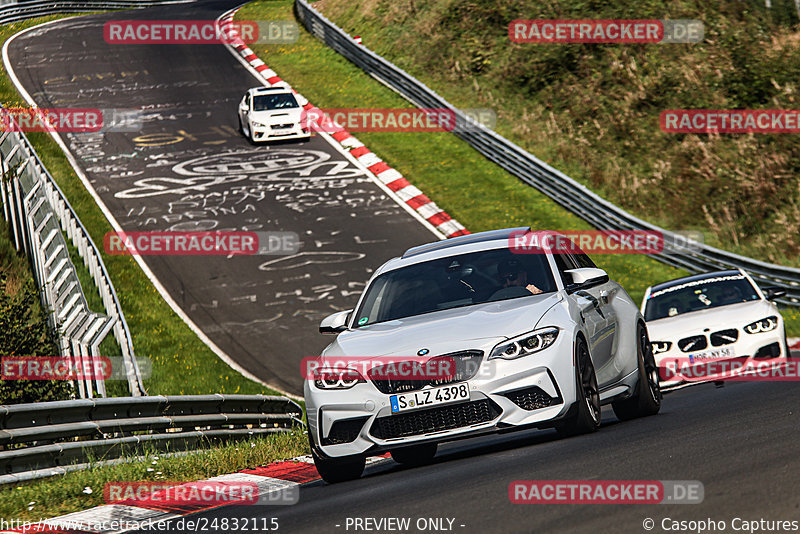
(480, 237)
(268, 90)
(693, 278)
(453, 246)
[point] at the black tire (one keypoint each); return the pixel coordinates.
(333, 470)
(646, 400)
(586, 416)
(416, 454)
(786, 344)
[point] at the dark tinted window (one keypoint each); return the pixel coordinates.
(564, 262)
(453, 282)
(269, 102)
(699, 295)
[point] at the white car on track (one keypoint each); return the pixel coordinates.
(709, 318)
(272, 114)
(535, 339)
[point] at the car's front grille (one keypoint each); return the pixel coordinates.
(435, 419)
(724, 337)
(282, 126)
(532, 398)
(344, 431)
(693, 343)
(466, 363)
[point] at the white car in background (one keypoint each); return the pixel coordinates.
(712, 317)
(272, 114)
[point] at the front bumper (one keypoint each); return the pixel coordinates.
(530, 390)
(267, 133)
(755, 348)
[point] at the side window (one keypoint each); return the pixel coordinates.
(584, 261)
(564, 262)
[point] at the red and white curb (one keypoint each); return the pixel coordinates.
(402, 190)
(794, 343)
(271, 479)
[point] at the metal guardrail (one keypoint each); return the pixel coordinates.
(576, 198)
(38, 211)
(47, 438)
(23, 9)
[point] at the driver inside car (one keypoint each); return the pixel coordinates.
(512, 273)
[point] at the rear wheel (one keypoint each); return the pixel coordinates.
(586, 416)
(646, 400)
(416, 454)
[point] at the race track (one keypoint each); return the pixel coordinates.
(739, 441)
(188, 168)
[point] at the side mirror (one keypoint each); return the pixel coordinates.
(335, 323)
(586, 277)
(772, 293)
(243, 105)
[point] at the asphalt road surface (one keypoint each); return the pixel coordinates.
(739, 441)
(189, 169)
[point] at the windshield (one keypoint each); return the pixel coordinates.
(699, 295)
(453, 282)
(269, 102)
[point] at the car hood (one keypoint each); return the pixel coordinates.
(731, 316)
(276, 115)
(445, 331)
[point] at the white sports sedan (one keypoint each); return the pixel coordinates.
(706, 319)
(466, 336)
(271, 114)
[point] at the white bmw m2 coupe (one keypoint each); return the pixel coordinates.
(466, 336)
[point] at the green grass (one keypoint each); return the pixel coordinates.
(593, 110)
(60, 495)
(473, 190)
(182, 364)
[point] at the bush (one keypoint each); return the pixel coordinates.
(25, 332)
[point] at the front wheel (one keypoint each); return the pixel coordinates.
(333, 470)
(586, 416)
(646, 400)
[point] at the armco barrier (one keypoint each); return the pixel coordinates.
(23, 9)
(38, 211)
(576, 198)
(48, 438)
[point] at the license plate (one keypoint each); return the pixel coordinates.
(714, 354)
(429, 397)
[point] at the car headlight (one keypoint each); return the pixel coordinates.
(660, 346)
(525, 344)
(762, 325)
(337, 378)
(258, 125)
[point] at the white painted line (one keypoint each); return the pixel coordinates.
(336, 145)
(110, 217)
